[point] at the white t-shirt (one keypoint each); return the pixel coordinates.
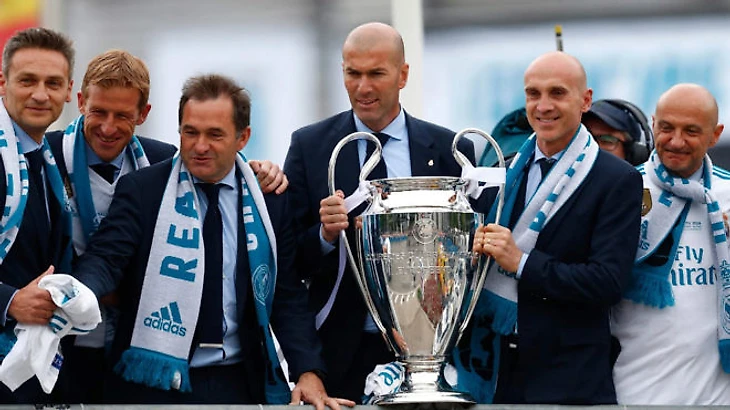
(670, 356)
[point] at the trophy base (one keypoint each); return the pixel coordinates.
(424, 397)
(422, 383)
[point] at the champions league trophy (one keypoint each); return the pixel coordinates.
(415, 267)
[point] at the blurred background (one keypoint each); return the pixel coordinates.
(469, 71)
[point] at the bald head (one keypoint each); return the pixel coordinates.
(375, 35)
(685, 127)
(556, 96)
(559, 63)
(374, 70)
(691, 95)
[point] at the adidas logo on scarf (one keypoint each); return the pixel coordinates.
(166, 320)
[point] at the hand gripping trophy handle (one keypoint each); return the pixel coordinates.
(367, 168)
(464, 162)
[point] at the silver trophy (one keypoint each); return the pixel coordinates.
(416, 269)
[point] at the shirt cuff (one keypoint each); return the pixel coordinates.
(523, 261)
(324, 245)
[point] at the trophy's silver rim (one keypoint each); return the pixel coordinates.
(409, 183)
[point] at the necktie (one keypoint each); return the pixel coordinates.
(380, 171)
(545, 165)
(210, 320)
(35, 165)
(106, 171)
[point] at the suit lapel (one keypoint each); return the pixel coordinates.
(424, 158)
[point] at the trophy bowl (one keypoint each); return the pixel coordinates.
(417, 272)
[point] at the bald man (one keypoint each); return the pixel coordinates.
(374, 71)
(564, 250)
(673, 324)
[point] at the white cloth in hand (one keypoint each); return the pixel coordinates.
(36, 351)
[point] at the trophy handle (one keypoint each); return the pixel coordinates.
(367, 168)
(464, 161)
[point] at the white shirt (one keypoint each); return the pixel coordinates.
(670, 356)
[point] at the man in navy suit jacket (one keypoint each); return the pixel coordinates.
(113, 101)
(214, 124)
(374, 71)
(35, 84)
(580, 263)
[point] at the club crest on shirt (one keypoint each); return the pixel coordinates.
(646, 202)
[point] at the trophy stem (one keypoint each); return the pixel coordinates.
(423, 383)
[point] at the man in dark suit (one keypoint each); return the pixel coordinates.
(374, 71)
(113, 101)
(35, 83)
(237, 365)
(559, 349)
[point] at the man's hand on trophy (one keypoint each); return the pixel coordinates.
(497, 241)
(333, 216)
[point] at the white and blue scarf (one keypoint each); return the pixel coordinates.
(500, 296)
(86, 217)
(16, 197)
(476, 359)
(16, 194)
(650, 284)
(173, 285)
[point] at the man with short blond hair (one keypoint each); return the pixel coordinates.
(94, 150)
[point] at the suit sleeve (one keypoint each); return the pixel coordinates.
(157, 151)
(111, 248)
(6, 291)
(306, 224)
(601, 278)
(292, 320)
(6, 294)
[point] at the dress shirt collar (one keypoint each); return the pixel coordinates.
(229, 180)
(27, 143)
(93, 159)
(396, 129)
(539, 154)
